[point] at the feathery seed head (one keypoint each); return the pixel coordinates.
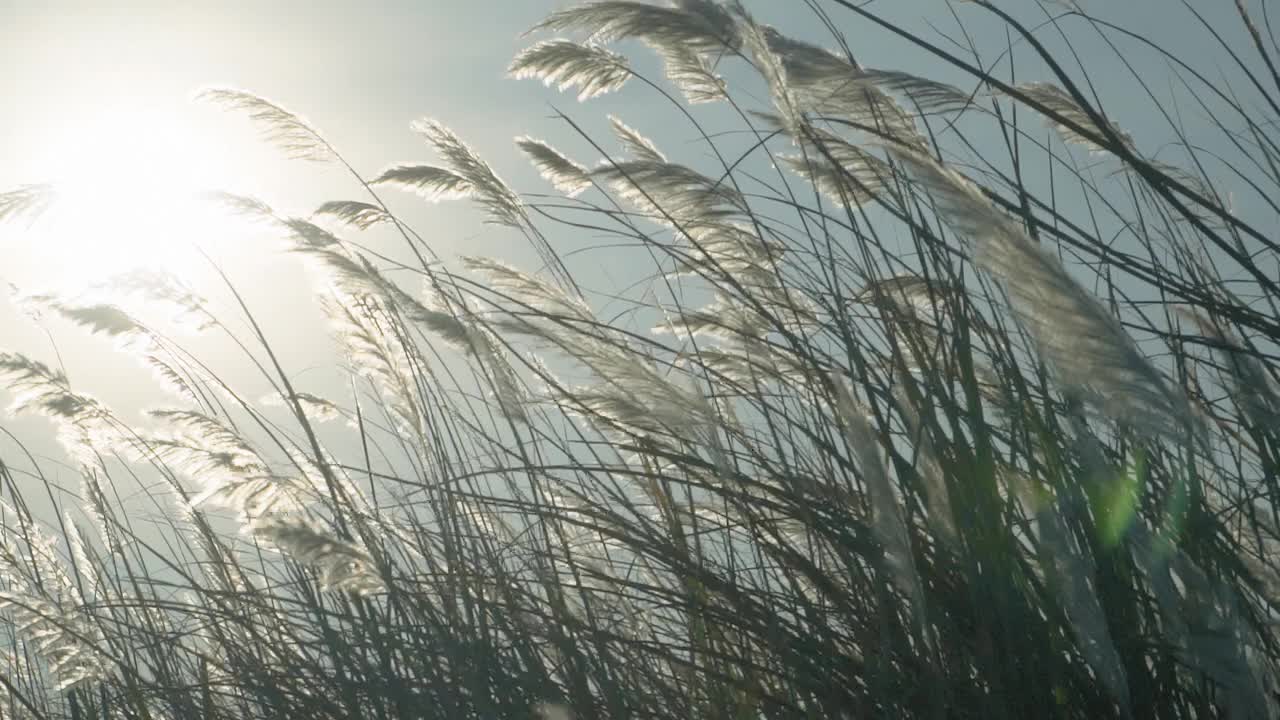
(343, 565)
(567, 64)
(566, 175)
(282, 128)
(463, 174)
(26, 201)
(360, 215)
(701, 25)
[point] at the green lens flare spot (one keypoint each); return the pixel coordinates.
(1116, 504)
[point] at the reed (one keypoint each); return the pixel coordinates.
(935, 400)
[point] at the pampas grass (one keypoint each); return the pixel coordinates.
(914, 408)
(566, 64)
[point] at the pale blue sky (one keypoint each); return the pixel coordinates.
(360, 72)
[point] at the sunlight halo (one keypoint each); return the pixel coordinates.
(131, 191)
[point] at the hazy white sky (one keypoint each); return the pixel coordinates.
(93, 82)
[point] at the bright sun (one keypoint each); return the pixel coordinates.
(131, 192)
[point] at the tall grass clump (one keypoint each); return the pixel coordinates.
(940, 395)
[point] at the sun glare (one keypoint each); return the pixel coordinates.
(131, 191)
